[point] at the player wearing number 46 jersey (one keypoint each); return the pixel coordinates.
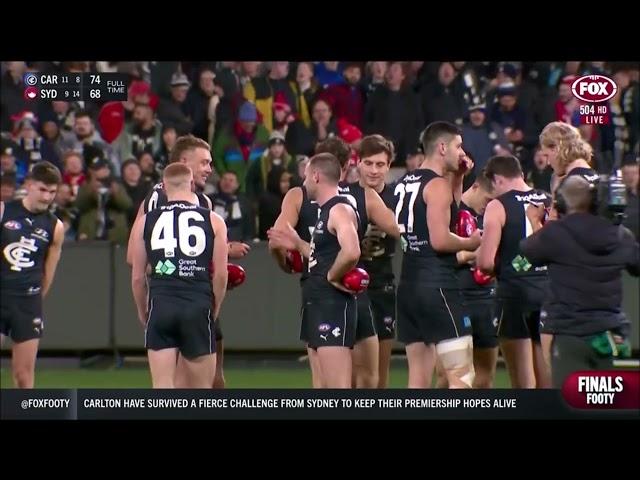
(432, 322)
(195, 154)
(181, 242)
(521, 286)
(30, 241)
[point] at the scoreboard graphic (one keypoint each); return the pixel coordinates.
(73, 87)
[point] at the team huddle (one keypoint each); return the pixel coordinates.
(467, 285)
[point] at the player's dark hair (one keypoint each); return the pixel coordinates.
(336, 147)
(375, 144)
(328, 164)
(434, 133)
(484, 182)
(184, 143)
(506, 165)
(45, 172)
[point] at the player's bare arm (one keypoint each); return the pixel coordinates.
(138, 269)
(220, 260)
(289, 213)
(288, 239)
(380, 214)
(53, 257)
(494, 220)
(342, 222)
(438, 196)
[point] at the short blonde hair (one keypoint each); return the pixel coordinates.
(176, 176)
(571, 146)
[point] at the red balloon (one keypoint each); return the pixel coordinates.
(295, 261)
(481, 278)
(465, 224)
(111, 120)
(236, 275)
(356, 280)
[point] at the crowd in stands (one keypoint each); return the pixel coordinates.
(263, 120)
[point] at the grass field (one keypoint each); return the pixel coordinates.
(236, 377)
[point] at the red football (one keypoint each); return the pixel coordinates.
(236, 275)
(356, 280)
(481, 278)
(465, 224)
(295, 261)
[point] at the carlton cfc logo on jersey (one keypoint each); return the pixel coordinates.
(13, 225)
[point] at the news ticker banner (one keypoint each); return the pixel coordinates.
(588, 395)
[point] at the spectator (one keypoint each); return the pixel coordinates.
(262, 90)
(135, 186)
(328, 73)
(103, 206)
(12, 100)
(540, 175)
(352, 136)
(282, 115)
(201, 103)
(144, 134)
(52, 134)
(249, 71)
(86, 141)
(233, 207)
(237, 148)
(278, 184)
(394, 112)
(444, 99)
(7, 187)
(169, 137)
(483, 139)
(348, 98)
(65, 116)
(149, 169)
(31, 147)
(305, 89)
(566, 103)
(302, 161)
(64, 209)
(510, 116)
(630, 177)
(414, 160)
(173, 110)
(275, 156)
(73, 172)
(9, 164)
(375, 79)
(631, 106)
(353, 174)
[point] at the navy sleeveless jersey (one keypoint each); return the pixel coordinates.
(25, 240)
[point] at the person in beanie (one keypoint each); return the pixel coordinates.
(275, 156)
(239, 146)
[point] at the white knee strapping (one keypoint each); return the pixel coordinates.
(457, 354)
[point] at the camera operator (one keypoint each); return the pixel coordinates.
(103, 205)
(586, 254)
